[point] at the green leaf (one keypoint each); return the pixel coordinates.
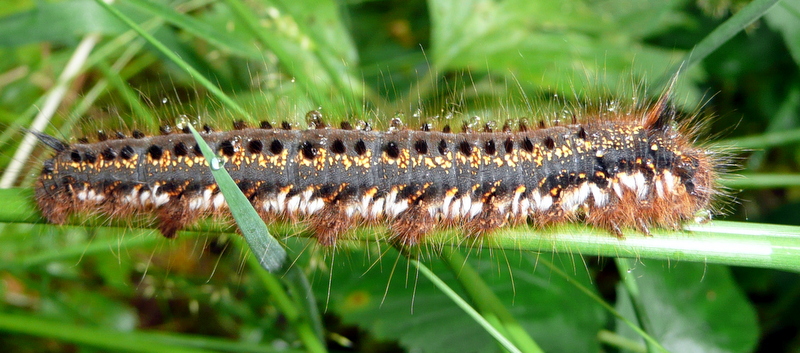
(691, 307)
(58, 22)
(211, 32)
(551, 45)
(412, 310)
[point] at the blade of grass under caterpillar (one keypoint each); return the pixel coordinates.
(719, 242)
(118, 341)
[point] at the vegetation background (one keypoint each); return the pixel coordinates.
(90, 288)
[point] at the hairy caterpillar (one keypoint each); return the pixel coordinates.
(632, 169)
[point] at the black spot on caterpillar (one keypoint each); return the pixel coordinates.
(636, 170)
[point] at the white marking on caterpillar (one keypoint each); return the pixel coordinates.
(600, 196)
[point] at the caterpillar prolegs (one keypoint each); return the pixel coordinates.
(636, 169)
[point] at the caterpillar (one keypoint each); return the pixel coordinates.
(637, 169)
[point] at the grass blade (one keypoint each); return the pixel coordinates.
(474, 314)
(211, 87)
(52, 102)
(269, 252)
(220, 39)
(487, 301)
(93, 336)
(651, 342)
(719, 36)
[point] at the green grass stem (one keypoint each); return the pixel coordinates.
(721, 242)
(761, 181)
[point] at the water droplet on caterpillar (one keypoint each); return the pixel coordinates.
(396, 122)
(314, 119)
(364, 125)
(183, 121)
(473, 122)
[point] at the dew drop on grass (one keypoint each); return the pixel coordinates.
(216, 163)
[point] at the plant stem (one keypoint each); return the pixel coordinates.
(718, 242)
